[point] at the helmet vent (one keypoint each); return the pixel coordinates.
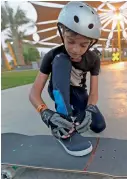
(80, 6)
(92, 12)
(90, 26)
(76, 19)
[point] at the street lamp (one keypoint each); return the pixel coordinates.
(118, 17)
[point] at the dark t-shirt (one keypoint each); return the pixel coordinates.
(90, 63)
(97, 52)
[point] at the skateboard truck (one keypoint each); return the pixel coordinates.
(9, 172)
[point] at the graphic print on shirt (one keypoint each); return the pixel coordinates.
(77, 77)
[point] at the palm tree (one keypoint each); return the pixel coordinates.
(11, 51)
(14, 21)
(4, 25)
(21, 36)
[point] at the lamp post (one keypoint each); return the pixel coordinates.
(119, 39)
(118, 15)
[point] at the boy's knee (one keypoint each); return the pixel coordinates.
(97, 128)
(61, 59)
(98, 122)
(61, 65)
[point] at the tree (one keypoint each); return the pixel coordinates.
(21, 36)
(30, 53)
(14, 22)
(11, 51)
(4, 25)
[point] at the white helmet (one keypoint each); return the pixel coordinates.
(81, 18)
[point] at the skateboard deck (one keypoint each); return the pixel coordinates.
(108, 158)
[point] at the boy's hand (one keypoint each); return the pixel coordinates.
(84, 119)
(92, 108)
(61, 128)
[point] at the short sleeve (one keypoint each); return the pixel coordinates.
(46, 64)
(94, 71)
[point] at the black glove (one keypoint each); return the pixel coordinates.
(84, 119)
(60, 127)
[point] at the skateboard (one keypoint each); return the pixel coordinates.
(108, 158)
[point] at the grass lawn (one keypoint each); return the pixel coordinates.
(17, 78)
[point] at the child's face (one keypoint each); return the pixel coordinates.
(75, 44)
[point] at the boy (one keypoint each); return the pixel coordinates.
(76, 111)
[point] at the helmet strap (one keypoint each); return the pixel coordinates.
(91, 44)
(60, 32)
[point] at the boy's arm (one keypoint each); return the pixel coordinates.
(93, 94)
(94, 71)
(37, 88)
(58, 125)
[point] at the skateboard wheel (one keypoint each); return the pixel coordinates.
(7, 174)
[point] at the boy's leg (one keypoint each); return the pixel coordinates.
(59, 91)
(79, 99)
(98, 122)
(60, 79)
